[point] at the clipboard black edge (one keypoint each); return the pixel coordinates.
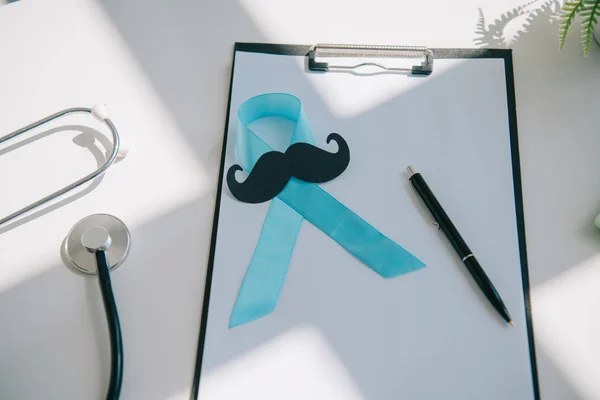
(211, 255)
(270, 48)
(302, 50)
(518, 189)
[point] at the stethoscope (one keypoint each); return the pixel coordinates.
(96, 244)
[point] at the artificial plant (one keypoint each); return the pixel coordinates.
(590, 11)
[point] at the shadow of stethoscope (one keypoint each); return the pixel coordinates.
(96, 244)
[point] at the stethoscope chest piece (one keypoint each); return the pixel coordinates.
(98, 231)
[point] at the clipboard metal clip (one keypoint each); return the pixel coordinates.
(385, 59)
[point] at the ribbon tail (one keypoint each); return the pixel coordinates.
(357, 236)
(266, 273)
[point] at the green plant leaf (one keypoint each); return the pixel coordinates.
(590, 9)
(569, 11)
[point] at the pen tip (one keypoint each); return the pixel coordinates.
(511, 323)
(410, 170)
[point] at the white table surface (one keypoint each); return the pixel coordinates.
(163, 67)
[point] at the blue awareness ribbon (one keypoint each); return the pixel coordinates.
(300, 200)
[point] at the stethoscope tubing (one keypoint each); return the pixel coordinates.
(114, 327)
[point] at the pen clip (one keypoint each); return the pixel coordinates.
(427, 215)
(432, 221)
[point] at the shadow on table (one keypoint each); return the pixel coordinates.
(186, 48)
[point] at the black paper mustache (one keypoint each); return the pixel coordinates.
(274, 169)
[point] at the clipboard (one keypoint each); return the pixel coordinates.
(338, 331)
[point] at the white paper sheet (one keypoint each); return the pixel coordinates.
(340, 331)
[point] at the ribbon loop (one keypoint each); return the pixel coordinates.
(249, 146)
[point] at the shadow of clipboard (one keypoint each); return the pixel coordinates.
(339, 330)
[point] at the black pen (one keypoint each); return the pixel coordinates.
(458, 243)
